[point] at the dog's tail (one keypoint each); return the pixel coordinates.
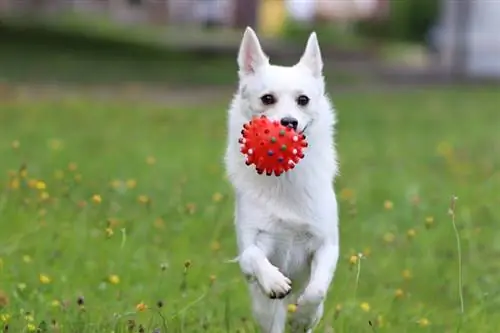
(231, 261)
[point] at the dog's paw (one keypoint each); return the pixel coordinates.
(274, 283)
(313, 296)
(309, 309)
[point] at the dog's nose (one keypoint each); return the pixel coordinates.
(290, 122)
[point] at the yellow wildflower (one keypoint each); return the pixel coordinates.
(444, 149)
(72, 166)
(389, 237)
(15, 144)
(32, 183)
(40, 185)
(215, 246)
(292, 308)
(96, 198)
(217, 197)
(115, 183)
(58, 174)
(114, 279)
(31, 327)
(399, 293)
(191, 208)
(44, 279)
(365, 306)
(141, 307)
(388, 205)
(14, 183)
(4, 299)
(5, 318)
(55, 144)
(429, 221)
(159, 223)
(380, 321)
(131, 183)
(143, 199)
(346, 194)
(411, 233)
(423, 322)
(109, 232)
(406, 274)
(353, 260)
(23, 173)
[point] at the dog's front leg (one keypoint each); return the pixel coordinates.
(254, 264)
(268, 283)
(310, 303)
(254, 249)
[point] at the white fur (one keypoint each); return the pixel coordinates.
(286, 226)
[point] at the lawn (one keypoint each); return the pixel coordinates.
(117, 217)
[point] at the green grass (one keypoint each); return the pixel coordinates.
(414, 150)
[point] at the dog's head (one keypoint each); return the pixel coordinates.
(292, 95)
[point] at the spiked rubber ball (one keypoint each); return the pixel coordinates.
(270, 146)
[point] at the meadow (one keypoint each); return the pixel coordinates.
(117, 217)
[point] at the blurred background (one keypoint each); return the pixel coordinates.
(363, 41)
(112, 187)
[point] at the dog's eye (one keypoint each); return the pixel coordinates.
(303, 100)
(268, 99)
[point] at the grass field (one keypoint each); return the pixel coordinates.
(117, 216)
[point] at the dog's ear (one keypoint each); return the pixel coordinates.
(311, 58)
(250, 55)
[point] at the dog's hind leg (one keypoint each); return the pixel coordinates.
(270, 314)
(310, 303)
(306, 318)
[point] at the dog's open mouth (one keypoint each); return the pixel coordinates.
(305, 128)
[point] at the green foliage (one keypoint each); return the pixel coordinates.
(329, 35)
(409, 20)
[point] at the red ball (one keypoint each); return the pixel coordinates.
(270, 146)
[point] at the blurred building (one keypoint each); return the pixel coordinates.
(266, 15)
(466, 37)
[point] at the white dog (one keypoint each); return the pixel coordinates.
(287, 226)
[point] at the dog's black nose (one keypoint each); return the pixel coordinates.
(290, 122)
